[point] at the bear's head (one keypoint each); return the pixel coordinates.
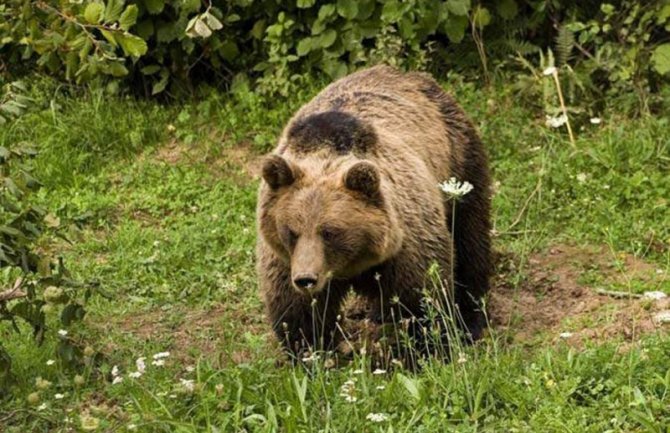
(327, 219)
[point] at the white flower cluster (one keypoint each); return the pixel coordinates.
(455, 188)
(377, 417)
(556, 122)
(348, 391)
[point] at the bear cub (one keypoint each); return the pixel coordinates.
(350, 199)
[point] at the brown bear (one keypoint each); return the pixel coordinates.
(350, 199)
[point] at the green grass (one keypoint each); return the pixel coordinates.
(161, 202)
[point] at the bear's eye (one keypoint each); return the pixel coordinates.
(290, 237)
(329, 234)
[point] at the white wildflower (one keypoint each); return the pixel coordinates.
(660, 271)
(565, 334)
(188, 384)
(377, 417)
(595, 120)
(358, 371)
(190, 368)
(654, 295)
(115, 371)
(556, 122)
(62, 332)
(141, 366)
(378, 276)
(117, 380)
(581, 177)
(59, 396)
(158, 362)
(379, 371)
(312, 357)
(135, 375)
(131, 427)
(380, 387)
(51, 362)
(551, 70)
(350, 398)
(347, 390)
(461, 358)
(172, 396)
(42, 407)
(455, 188)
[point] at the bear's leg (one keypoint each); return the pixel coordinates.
(472, 243)
(301, 322)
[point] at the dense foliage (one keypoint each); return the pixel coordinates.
(159, 45)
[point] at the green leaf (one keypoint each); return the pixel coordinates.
(327, 38)
(128, 17)
(304, 46)
(110, 37)
(71, 313)
(455, 28)
(660, 58)
(411, 385)
(508, 9)
(116, 69)
(347, 9)
(258, 29)
(160, 85)
(113, 10)
(391, 12)
(481, 17)
(229, 50)
(154, 6)
(212, 22)
(150, 70)
(458, 7)
(93, 12)
(326, 11)
(132, 45)
(304, 4)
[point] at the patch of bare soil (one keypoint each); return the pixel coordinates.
(551, 302)
(236, 161)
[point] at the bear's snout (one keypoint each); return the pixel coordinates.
(305, 281)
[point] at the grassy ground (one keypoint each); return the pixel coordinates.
(163, 200)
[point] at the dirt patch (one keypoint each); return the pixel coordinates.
(236, 161)
(552, 301)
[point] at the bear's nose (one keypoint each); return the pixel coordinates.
(305, 281)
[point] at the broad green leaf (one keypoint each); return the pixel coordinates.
(160, 85)
(110, 37)
(258, 30)
(304, 46)
(132, 45)
(327, 38)
(455, 28)
(481, 17)
(229, 50)
(660, 58)
(508, 9)
(326, 11)
(145, 29)
(93, 12)
(116, 69)
(304, 4)
(411, 385)
(113, 10)
(458, 7)
(128, 17)
(391, 11)
(154, 6)
(347, 9)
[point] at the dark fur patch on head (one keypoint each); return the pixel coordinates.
(337, 130)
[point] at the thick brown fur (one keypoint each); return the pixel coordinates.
(350, 198)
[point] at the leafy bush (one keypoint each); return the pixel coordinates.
(37, 286)
(169, 45)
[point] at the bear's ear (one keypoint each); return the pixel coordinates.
(363, 177)
(277, 172)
